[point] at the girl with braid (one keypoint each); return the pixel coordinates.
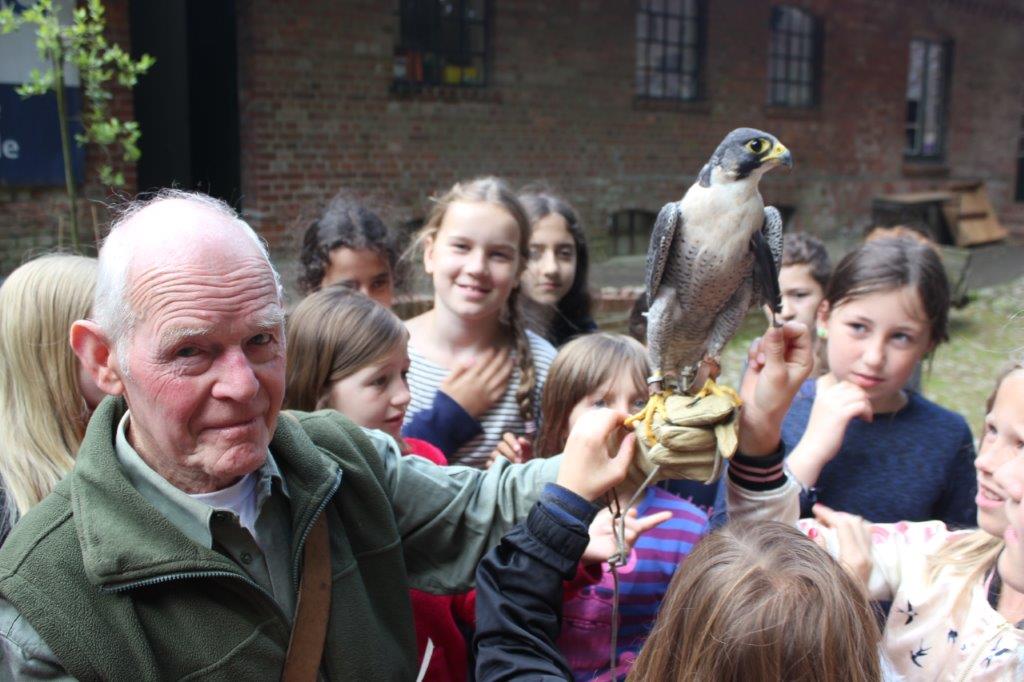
(475, 247)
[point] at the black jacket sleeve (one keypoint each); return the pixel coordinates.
(519, 594)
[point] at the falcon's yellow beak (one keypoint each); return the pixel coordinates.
(781, 154)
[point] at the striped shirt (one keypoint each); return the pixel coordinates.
(425, 378)
(643, 581)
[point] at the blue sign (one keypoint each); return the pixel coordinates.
(30, 151)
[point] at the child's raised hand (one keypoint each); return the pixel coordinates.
(602, 535)
(835, 404)
(777, 364)
(854, 536)
(597, 454)
(515, 449)
(478, 384)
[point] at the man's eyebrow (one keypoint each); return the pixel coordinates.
(173, 337)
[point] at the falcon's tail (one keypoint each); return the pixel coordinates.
(766, 274)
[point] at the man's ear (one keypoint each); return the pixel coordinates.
(97, 356)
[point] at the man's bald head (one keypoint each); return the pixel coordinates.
(170, 230)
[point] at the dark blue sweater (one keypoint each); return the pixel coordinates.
(915, 464)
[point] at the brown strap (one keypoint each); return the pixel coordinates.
(312, 609)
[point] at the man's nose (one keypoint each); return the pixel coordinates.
(236, 379)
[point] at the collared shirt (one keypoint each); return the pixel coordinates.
(265, 557)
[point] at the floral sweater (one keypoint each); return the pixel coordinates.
(923, 640)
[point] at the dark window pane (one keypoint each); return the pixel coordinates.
(442, 42)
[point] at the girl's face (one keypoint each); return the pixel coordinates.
(620, 393)
(552, 267)
(363, 270)
(474, 259)
(1003, 441)
(377, 395)
(801, 294)
(1010, 478)
(875, 340)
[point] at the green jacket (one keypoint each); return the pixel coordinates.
(116, 592)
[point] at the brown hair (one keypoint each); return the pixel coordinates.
(581, 367)
(344, 223)
(333, 333)
(761, 601)
(800, 248)
(496, 191)
(893, 263)
(573, 310)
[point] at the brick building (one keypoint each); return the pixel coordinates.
(615, 104)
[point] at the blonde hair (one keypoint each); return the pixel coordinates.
(42, 411)
(496, 191)
(332, 334)
(581, 367)
(970, 555)
(761, 602)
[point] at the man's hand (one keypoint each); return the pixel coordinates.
(597, 454)
(515, 449)
(777, 364)
(602, 535)
(854, 535)
(835, 404)
(478, 384)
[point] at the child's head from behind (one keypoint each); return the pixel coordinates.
(594, 370)
(558, 259)
(348, 353)
(761, 602)
(886, 306)
(804, 275)
(348, 244)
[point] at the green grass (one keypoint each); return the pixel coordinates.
(985, 337)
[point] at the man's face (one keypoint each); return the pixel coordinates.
(206, 363)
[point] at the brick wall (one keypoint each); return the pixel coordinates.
(318, 115)
(31, 218)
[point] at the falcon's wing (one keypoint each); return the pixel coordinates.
(666, 228)
(767, 247)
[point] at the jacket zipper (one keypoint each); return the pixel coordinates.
(981, 649)
(309, 529)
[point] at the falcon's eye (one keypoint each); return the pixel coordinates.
(757, 145)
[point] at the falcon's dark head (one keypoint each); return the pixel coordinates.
(744, 153)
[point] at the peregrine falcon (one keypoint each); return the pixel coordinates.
(712, 255)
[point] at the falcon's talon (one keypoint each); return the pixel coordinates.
(711, 387)
(655, 404)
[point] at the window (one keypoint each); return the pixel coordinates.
(669, 49)
(631, 231)
(927, 88)
(1020, 163)
(794, 58)
(441, 42)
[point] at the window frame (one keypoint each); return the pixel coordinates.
(411, 56)
(946, 72)
(699, 46)
(815, 59)
(627, 225)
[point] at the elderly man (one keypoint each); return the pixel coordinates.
(176, 546)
